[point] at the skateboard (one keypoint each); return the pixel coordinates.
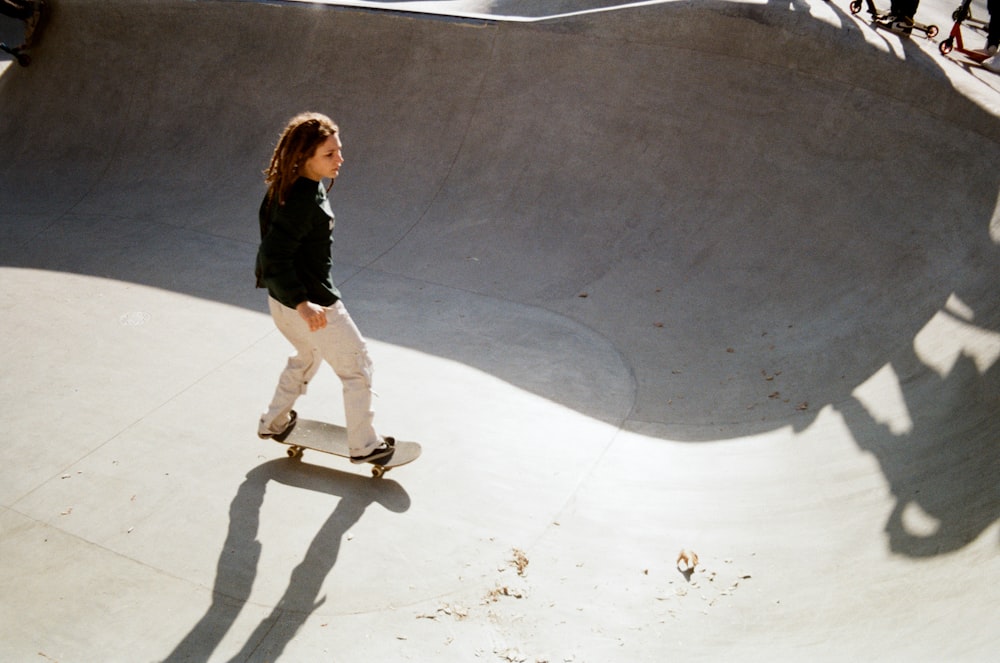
(332, 439)
(32, 34)
(882, 19)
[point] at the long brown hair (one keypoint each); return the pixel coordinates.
(298, 142)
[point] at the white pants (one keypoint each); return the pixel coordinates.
(341, 345)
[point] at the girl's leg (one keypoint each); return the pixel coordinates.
(342, 346)
(299, 370)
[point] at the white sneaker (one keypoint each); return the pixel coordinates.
(381, 452)
(265, 434)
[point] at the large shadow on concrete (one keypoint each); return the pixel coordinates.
(756, 224)
(240, 554)
(942, 471)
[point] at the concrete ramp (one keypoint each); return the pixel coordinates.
(708, 276)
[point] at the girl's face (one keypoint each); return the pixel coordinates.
(325, 161)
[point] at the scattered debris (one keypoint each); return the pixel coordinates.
(520, 561)
(687, 560)
(705, 587)
(502, 590)
(457, 611)
(512, 655)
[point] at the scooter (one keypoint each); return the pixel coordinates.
(883, 19)
(954, 41)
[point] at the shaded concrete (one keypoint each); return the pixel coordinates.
(711, 275)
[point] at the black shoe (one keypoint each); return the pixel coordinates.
(901, 24)
(379, 454)
(280, 437)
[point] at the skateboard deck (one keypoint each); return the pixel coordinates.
(332, 439)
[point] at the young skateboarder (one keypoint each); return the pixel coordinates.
(293, 263)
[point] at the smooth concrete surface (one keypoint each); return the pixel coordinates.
(642, 278)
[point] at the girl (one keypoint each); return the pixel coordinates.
(293, 263)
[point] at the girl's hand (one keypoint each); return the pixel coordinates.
(313, 314)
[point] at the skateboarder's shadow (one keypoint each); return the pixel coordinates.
(240, 555)
(944, 467)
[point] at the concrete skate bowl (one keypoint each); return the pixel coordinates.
(751, 215)
(758, 223)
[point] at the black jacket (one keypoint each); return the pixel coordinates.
(293, 261)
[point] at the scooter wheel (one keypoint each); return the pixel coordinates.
(855, 6)
(946, 46)
(932, 31)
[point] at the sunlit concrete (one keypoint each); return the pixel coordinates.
(641, 277)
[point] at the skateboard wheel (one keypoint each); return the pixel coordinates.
(932, 31)
(295, 452)
(378, 471)
(855, 6)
